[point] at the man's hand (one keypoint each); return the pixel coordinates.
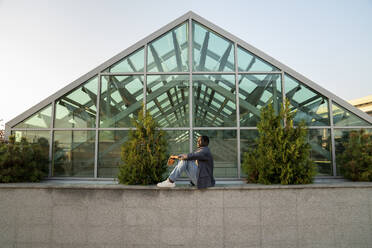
(171, 160)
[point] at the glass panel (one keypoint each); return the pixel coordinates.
(73, 153)
(211, 52)
(77, 109)
(132, 63)
(178, 143)
(168, 99)
(41, 119)
(121, 99)
(223, 146)
(33, 136)
(247, 143)
(310, 105)
(341, 137)
(257, 91)
(342, 117)
(109, 152)
(214, 101)
(320, 142)
(169, 53)
(249, 62)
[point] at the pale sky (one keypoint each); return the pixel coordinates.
(45, 45)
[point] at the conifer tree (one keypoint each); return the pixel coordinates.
(282, 154)
(144, 154)
(356, 158)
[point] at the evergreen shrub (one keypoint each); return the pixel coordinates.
(282, 155)
(23, 161)
(144, 154)
(356, 159)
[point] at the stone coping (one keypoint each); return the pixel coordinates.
(92, 186)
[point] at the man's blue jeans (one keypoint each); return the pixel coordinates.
(189, 166)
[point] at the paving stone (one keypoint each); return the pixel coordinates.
(210, 216)
(281, 214)
(182, 217)
(209, 199)
(177, 235)
(278, 197)
(243, 234)
(317, 234)
(108, 215)
(274, 234)
(241, 217)
(141, 217)
(105, 235)
(69, 215)
(34, 233)
(242, 198)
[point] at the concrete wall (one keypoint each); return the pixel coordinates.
(43, 215)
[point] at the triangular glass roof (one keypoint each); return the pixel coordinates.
(169, 51)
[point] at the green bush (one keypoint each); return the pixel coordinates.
(282, 154)
(144, 154)
(23, 161)
(356, 159)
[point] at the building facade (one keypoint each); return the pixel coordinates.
(195, 79)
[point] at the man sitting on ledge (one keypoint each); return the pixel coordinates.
(198, 166)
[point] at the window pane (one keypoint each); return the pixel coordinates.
(214, 101)
(311, 106)
(255, 92)
(341, 137)
(73, 153)
(211, 52)
(342, 117)
(247, 143)
(169, 53)
(223, 146)
(132, 63)
(41, 119)
(178, 143)
(109, 152)
(249, 62)
(77, 109)
(168, 99)
(33, 137)
(320, 142)
(121, 99)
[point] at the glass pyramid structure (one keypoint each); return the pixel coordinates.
(195, 79)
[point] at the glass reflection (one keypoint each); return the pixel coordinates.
(342, 117)
(77, 109)
(132, 63)
(168, 99)
(73, 153)
(309, 105)
(247, 143)
(109, 152)
(255, 92)
(42, 119)
(249, 62)
(214, 101)
(223, 146)
(320, 153)
(169, 53)
(341, 137)
(211, 52)
(121, 99)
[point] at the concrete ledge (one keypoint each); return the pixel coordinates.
(116, 186)
(59, 215)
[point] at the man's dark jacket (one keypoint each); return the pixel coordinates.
(204, 160)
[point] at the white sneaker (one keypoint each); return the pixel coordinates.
(166, 184)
